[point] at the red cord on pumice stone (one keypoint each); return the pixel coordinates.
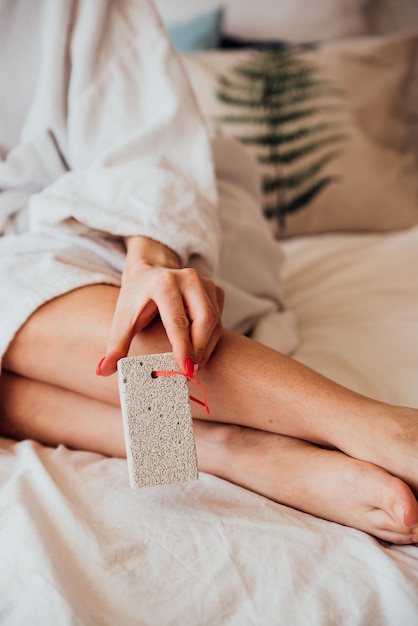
(157, 373)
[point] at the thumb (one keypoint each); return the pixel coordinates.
(124, 327)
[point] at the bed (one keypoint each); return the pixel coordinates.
(78, 546)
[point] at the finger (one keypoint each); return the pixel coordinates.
(220, 298)
(117, 347)
(210, 347)
(201, 297)
(219, 295)
(126, 322)
(169, 301)
(217, 333)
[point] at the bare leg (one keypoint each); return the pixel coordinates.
(324, 483)
(247, 383)
(52, 415)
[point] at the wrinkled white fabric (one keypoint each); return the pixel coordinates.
(100, 137)
(36, 267)
(105, 126)
(79, 547)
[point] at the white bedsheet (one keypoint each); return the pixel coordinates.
(356, 298)
(79, 547)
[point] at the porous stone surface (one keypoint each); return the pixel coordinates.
(157, 422)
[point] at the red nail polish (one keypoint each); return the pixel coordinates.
(99, 366)
(189, 367)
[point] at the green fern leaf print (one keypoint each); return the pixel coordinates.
(283, 109)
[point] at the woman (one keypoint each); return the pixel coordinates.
(109, 216)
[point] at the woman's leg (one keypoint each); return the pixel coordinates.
(325, 483)
(247, 383)
(53, 415)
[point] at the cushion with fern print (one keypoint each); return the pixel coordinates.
(326, 125)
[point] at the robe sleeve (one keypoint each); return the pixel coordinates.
(134, 143)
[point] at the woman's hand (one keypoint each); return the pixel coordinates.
(189, 306)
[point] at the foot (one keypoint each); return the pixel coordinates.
(324, 483)
(387, 437)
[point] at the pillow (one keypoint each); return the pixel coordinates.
(390, 16)
(327, 126)
(294, 20)
(202, 32)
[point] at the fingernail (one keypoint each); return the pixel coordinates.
(189, 367)
(196, 367)
(99, 365)
(399, 512)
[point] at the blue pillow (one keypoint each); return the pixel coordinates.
(201, 32)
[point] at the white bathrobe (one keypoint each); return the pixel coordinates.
(100, 138)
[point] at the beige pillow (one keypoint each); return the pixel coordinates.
(396, 16)
(333, 147)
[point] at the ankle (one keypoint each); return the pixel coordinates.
(214, 443)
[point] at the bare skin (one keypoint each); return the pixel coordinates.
(279, 412)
